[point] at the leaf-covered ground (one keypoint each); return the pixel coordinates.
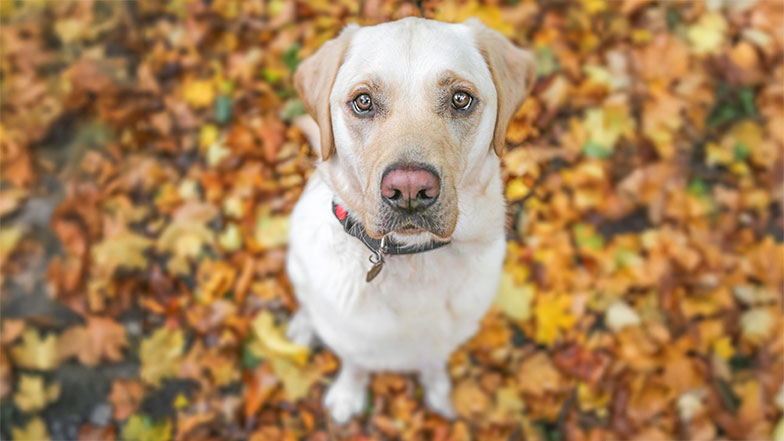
(149, 163)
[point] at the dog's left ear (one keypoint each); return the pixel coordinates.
(514, 73)
(313, 80)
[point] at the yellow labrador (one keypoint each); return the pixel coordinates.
(397, 242)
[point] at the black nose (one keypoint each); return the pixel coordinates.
(410, 187)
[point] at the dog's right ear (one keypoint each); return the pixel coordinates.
(313, 80)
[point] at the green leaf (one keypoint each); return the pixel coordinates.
(291, 58)
(594, 150)
(741, 151)
(223, 109)
(698, 188)
(141, 428)
(546, 61)
(292, 109)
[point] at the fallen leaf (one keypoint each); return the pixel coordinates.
(34, 352)
(101, 339)
(161, 355)
(126, 396)
(142, 428)
(34, 430)
(32, 395)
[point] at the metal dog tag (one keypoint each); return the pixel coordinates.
(377, 259)
(374, 270)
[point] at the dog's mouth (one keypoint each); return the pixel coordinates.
(413, 224)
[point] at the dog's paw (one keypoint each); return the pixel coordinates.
(439, 400)
(438, 391)
(344, 402)
(300, 330)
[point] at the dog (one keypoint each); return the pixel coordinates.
(397, 242)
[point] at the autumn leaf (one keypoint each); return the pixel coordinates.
(512, 299)
(271, 231)
(33, 395)
(198, 93)
(142, 428)
(102, 338)
(35, 352)
(707, 35)
(273, 340)
(126, 396)
(186, 235)
(34, 430)
(123, 250)
(161, 355)
(552, 317)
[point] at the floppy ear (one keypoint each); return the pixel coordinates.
(313, 80)
(514, 73)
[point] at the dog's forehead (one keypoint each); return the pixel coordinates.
(413, 49)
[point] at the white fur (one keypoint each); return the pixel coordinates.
(421, 307)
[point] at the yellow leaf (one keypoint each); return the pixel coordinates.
(208, 135)
(594, 6)
(9, 238)
(491, 16)
(231, 238)
(271, 231)
(516, 190)
(34, 352)
(707, 34)
(185, 236)
(215, 279)
(32, 395)
(552, 316)
(161, 355)
(122, 250)
(35, 430)
(273, 340)
(514, 300)
(217, 152)
(605, 126)
(140, 428)
(199, 93)
(297, 380)
(723, 347)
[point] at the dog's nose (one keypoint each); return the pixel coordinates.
(410, 188)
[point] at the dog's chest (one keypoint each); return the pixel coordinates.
(409, 314)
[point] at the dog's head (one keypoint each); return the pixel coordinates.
(406, 111)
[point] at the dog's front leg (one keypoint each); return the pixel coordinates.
(346, 397)
(438, 389)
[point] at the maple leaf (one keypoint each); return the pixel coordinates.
(142, 428)
(32, 394)
(102, 338)
(271, 231)
(125, 249)
(34, 430)
(198, 93)
(126, 396)
(161, 355)
(514, 300)
(552, 316)
(707, 35)
(273, 340)
(186, 235)
(34, 352)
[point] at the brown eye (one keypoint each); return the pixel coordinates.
(363, 103)
(461, 100)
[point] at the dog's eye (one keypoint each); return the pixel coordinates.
(461, 100)
(362, 104)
